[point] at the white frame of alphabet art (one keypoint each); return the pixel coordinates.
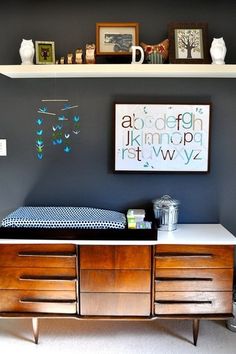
(162, 137)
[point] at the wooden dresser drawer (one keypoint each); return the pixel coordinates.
(186, 256)
(115, 304)
(38, 255)
(115, 281)
(181, 303)
(38, 301)
(193, 279)
(115, 257)
(38, 278)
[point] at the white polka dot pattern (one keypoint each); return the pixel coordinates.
(65, 217)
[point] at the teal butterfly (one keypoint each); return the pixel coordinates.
(67, 149)
(76, 119)
(39, 121)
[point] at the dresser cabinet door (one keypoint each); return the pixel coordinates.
(38, 278)
(115, 280)
(193, 279)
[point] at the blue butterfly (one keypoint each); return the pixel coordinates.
(76, 119)
(59, 141)
(39, 142)
(67, 149)
(39, 121)
(39, 132)
(40, 156)
(57, 127)
(43, 109)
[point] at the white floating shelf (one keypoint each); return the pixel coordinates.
(119, 71)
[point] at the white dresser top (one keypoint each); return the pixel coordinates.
(197, 234)
(187, 234)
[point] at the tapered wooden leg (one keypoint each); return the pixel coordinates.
(35, 325)
(196, 323)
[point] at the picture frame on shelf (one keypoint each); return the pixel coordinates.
(188, 43)
(116, 38)
(162, 137)
(45, 52)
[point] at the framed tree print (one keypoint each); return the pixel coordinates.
(162, 137)
(188, 43)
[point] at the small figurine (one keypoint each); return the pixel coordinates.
(90, 54)
(27, 51)
(156, 53)
(69, 58)
(79, 56)
(62, 60)
(218, 51)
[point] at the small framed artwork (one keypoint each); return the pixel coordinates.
(188, 43)
(116, 38)
(45, 52)
(162, 137)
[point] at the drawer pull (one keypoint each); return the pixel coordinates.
(47, 254)
(163, 279)
(46, 278)
(180, 255)
(180, 302)
(43, 301)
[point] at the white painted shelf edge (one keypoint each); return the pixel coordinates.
(120, 71)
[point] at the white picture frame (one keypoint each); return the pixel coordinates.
(162, 137)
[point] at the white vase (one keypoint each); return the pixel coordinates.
(27, 52)
(218, 51)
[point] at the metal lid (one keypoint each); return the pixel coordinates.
(165, 202)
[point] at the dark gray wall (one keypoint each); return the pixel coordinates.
(86, 177)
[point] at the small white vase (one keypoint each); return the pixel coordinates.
(218, 51)
(27, 52)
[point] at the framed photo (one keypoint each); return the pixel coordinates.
(45, 52)
(116, 38)
(162, 137)
(188, 43)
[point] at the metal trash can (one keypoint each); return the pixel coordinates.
(231, 322)
(166, 212)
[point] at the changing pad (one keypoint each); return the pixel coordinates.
(65, 217)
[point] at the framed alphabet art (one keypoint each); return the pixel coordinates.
(162, 137)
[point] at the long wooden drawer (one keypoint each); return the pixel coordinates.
(193, 279)
(38, 278)
(115, 304)
(38, 301)
(38, 255)
(186, 256)
(115, 281)
(185, 303)
(115, 257)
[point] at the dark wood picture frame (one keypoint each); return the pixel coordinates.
(116, 38)
(188, 43)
